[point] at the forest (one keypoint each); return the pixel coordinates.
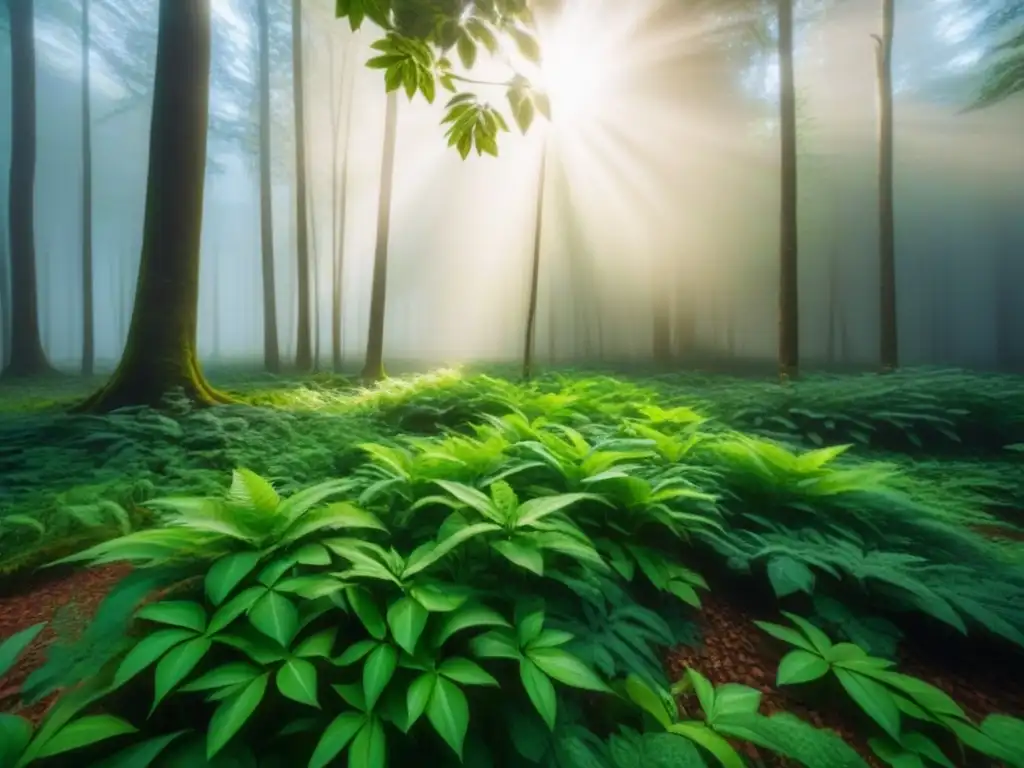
(510, 383)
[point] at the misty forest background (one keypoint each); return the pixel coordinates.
(676, 192)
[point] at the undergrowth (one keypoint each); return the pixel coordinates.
(458, 568)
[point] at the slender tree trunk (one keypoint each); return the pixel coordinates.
(303, 344)
(373, 367)
(5, 300)
(661, 317)
(338, 284)
(27, 357)
(160, 354)
(789, 298)
(88, 315)
(538, 231)
(889, 341)
(271, 347)
(337, 205)
(685, 316)
(314, 254)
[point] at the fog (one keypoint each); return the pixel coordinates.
(668, 187)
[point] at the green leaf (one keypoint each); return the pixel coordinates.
(252, 490)
(873, 698)
(296, 680)
(225, 574)
(355, 652)
(423, 559)
(175, 666)
(496, 644)
(448, 712)
(801, 667)
(789, 575)
(552, 638)
(139, 755)
(234, 608)
(468, 617)
(786, 634)
(83, 732)
(703, 736)
(533, 511)
(566, 669)
(276, 617)
(224, 676)
(464, 671)
(178, 613)
(367, 611)
(641, 694)
(15, 734)
(377, 672)
(540, 690)
(233, 713)
(147, 651)
(466, 49)
(734, 699)
(319, 645)
(438, 598)
(522, 553)
(817, 638)
(418, 695)
(407, 620)
(12, 647)
(336, 737)
(526, 43)
(369, 748)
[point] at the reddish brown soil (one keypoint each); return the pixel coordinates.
(735, 650)
(81, 591)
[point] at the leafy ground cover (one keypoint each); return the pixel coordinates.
(585, 571)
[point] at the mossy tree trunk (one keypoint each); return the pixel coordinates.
(160, 354)
(27, 357)
(271, 347)
(789, 298)
(888, 323)
(373, 367)
(303, 345)
(88, 317)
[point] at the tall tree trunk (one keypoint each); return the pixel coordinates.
(340, 206)
(27, 357)
(303, 343)
(5, 301)
(373, 367)
(888, 328)
(88, 315)
(538, 232)
(160, 354)
(661, 317)
(789, 297)
(271, 347)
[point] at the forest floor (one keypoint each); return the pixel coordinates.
(940, 450)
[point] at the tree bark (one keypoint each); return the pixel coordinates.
(373, 367)
(339, 203)
(271, 347)
(27, 357)
(888, 327)
(789, 298)
(531, 307)
(160, 353)
(303, 345)
(88, 315)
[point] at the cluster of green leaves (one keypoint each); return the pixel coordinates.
(1004, 76)
(890, 698)
(359, 622)
(924, 412)
(557, 524)
(413, 53)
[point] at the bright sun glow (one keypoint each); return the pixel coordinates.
(576, 70)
